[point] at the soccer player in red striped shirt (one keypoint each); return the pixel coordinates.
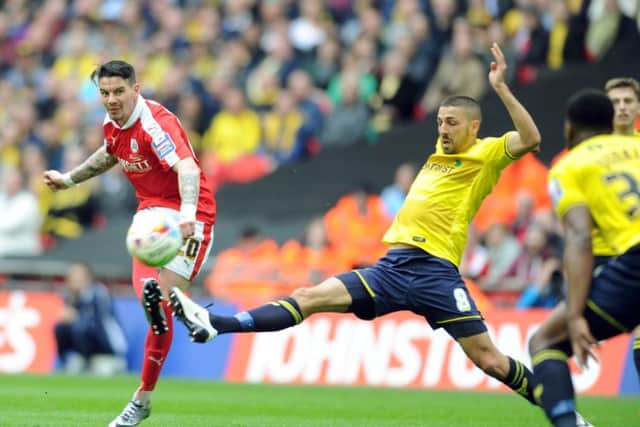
(148, 141)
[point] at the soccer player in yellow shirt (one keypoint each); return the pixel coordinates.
(596, 185)
(624, 93)
(427, 238)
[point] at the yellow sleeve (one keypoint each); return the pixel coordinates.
(564, 191)
(495, 150)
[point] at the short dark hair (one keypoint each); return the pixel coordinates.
(590, 110)
(115, 68)
(469, 104)
(622, 82)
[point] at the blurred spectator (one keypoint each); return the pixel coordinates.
(421, 50)
(532, 44)
(310, 260)
(605, 18)
(484, 37)
(236, 17)
(475, 259)
(234, 133)
(268, 76)
(396, 92)
(309, 101)
(308, 31)
(355, 226)
(326, 63)
(21, 218)
(349, 120)
(558, 34)
(503, 250)
(394, 194)
(534, 266)
(73, 211)
(246, 271)
(459, 71)
(88, 336)
(350, 69)
(284, 136)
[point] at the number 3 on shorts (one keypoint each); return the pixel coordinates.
(462, 301)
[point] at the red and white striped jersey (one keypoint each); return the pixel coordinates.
(147, 147)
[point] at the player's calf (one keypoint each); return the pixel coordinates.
(152, 304)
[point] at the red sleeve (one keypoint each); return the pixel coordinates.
(172, 144)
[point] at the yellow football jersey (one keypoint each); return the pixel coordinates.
(446, 195)
(602, 173)
(600, 247)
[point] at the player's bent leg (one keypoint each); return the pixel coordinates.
(152, 305)
(330, 295)
(486, 356)
(552, 331)
(553, 387)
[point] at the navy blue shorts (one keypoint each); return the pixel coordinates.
(613, 303)
(414, 280)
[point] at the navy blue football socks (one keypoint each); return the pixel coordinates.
(272, 316)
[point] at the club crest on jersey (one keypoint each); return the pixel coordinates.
(164, 146)
(134, 145)
(555, 191)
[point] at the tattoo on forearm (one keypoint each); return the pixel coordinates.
(97, 163)
(189, 187)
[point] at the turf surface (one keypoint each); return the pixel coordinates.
(87, 401)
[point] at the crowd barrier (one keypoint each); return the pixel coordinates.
(399, 350)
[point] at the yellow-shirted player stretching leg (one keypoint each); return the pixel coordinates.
(427, 238)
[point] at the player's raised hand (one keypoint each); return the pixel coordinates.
(582, 341)
(55, 180)
(498, 67)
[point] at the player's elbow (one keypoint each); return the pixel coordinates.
(533, 141)
(187, 166)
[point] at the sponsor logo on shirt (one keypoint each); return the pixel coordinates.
(164, 146)
(135, 167)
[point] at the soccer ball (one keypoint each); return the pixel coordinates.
(154, 238)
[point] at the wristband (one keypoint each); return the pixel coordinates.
(188, 212)
(66, 178)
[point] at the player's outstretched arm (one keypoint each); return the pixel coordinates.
(527, 138)
(578, 261)
(189, 185)
(99, 162)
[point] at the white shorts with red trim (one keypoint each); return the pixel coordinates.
(195, 251)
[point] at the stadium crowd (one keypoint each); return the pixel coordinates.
(259, 84)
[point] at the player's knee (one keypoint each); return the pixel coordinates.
(536, 343)
(306, 298)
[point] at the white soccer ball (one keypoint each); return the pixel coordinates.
(154, 238)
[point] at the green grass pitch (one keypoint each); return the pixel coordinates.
(39, 401)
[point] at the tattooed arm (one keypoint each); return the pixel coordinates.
(98, 163)
(189, 184)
